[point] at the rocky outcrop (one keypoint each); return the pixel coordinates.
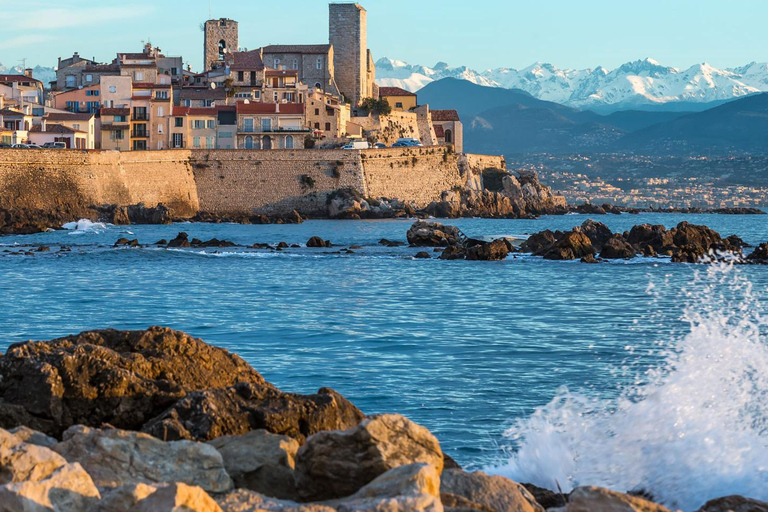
(23, 221)
(317, 242)
(158, 498)
(596, 499)
(760, 254)
(539, 241)
(161, 381)
(337, 464)
(433, 234)
(572, 245)
(134, 214)
(482, 492)
(497, 250)
(617, 248)
(293, 217)
(734, 504)
(597, 232)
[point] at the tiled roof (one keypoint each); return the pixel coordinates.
(245, 61)
(145, 85)
(394, 91)
(439, 131)
(193, 111)
(115, 112)
(54, 116)
(270, 108)
(445, 115)
(135, 56)
(54, 128)
(297, 48)
(9, 112)
(103, 68)
(202, 93)
(18, 78)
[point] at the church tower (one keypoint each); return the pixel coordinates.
(221, 37)
(349, 36)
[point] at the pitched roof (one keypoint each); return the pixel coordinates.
(193, 111)
(245, 61)
(54, 128)
(439, 131)
(110, 68)
(202, 93)
(445, 115)
(115, 111)
(394, 91)
(297, 48)
(18, 78)
(270, 108)
(55, 116)
(10, 112)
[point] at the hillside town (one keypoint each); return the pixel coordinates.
(287, 96)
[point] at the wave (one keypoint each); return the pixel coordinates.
(691, 429)
(83, 226)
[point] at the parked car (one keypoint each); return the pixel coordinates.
(408, 142)
(55, 145)
(5, 146)
(380, 145)
(358, 144)
(20, 146)
(33, 146)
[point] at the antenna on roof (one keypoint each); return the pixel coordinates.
(23, 63)
(210, 11)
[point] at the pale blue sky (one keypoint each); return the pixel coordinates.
(480, 34)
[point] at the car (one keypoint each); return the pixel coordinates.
(20, 146)
(380, 145)
(33, 146)
(5, 146)
(409, 142)
(54, 145)
(357, 144)
(400, 145)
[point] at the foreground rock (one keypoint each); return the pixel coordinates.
(570, 246)
(433, 234)
(337, 464)
(497, 250)
(478, 491)
(158, 498)
(734, 504)
(135, 214)
(161, 381)
(596, 499)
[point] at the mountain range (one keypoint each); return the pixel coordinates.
(643, 84)
(43, 74)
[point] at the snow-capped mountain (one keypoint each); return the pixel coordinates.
(643, 82)
(41, 73)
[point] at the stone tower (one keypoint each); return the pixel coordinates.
(221, 37)
(349, 36)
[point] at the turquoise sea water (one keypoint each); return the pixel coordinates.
(468, 349)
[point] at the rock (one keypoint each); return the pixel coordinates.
(317, 242)
(118, 457)
(433, 234)
(590, 259)
(123, 378)
(206, 415)
(455, 503)
(760, 254)
(282, 245)
(176, 497)
(391, 243)
(588, 209)
(21, 462)
(124, 242)
(243, 500)
(261, 462)
(494, 492)
(215, 242)
(539, 242)
(497, 250)
(572, 245)
(454, 252)
(68, 489)
(162, 241)
(181, 240)
(546, 498)
(596, 499)
(617, 249)
(24, 221)
(656, 237)
(693, 242)
(27, 435)
(734, 504)
(336, 464)
(423, 256)
(135, 214)
(597, 232)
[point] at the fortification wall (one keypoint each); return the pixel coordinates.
(73, 180)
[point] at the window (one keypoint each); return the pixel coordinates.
(160, 111)
(178, 140)
(92, 93)
(76, 127)
(317, 111)
(266, 124)
(160, 129)
(225, 135)
(295, 64)
(222, 46)
(199, 124)
(257, 94)
(398, 105)
(317, 126)
(38, 111)
(318, 85)
(211, 124)
(179, 122)
(119, 119)
(174, 71)
(117, 135)
(277, 64)
(248, 125)
(89, 78)
(327, 127)
(449, 136)
(197, 142)
(139, 76)
(161, 95)
(289, 142)
(209, 142)
(112, 89)
(70, 81)
(249, 142)
(319, 63)
(240, 76)
(187, 103)
(277, 97)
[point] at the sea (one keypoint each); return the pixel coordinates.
(637, 375)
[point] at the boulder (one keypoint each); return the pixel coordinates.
(497, 250)
(175, 497)
(734, 504)
(454, 252)
(124, 242)
(572, 245)
(68, 489)
(616, 248)
(423, 255)
(181, 240)
(538, 242)
(760, 254)
(656, 237)
(261, 462)
(317, 242)
(596, 499)
(118, 457)
(336, 464)
(23, 462)
(433, 234)
(243, 500)
(597, 232)
(27, 435)
(494, 493)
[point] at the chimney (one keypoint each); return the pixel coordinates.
(28, 72)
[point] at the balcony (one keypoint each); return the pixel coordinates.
(140, 134)
(138, 116)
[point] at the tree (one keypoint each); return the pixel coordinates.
(380, 107)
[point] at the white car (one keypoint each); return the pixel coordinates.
(358, 145)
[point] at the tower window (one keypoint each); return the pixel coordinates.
(319, 63)
(222, 48)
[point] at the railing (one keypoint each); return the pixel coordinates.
(143, 134)
(141, 117)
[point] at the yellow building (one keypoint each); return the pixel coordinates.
(399, 99)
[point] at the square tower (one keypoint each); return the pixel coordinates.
(348, 25)
(221, 37)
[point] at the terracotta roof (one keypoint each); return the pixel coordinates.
(127, 65)
(18, 78)
(115, 112)
(54, 116)
(445, 115)
(270, 108)
(439, 131)
(297, 48)
(245, 61)
(135, 56)
(54, 128)
(193, 111)
(394, 91)
(145, 85)
(103, 68)
(9, 112)
(202, 94)
(226, 108)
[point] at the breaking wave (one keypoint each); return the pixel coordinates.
(691, 429)
(85, 226)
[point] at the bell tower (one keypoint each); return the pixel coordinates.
(348, 23)
(221, 37)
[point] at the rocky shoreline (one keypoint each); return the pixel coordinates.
(156, 420)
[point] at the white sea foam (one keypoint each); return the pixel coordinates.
(693, 429)
(85, 226)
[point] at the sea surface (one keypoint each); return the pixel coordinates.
(633, 375)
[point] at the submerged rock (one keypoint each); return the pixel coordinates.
(497, 250)
(433, 234)
(317, 242)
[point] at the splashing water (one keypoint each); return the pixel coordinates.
(693, 429)
(85, 226)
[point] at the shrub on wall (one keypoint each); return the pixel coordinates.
(307, 181)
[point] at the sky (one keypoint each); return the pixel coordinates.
(481, 35)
